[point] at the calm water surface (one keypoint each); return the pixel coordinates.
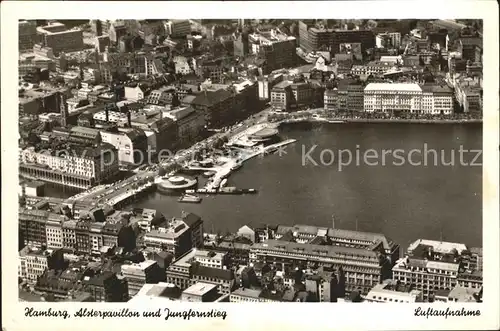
(403, 202)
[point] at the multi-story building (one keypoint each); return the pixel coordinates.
(212, 69)
(60, 39)
(69, 234)
(314, 38)
(388, 40)
(362, 268)
(471, 49)
(95, 233)
(437, 99)
(82, 236)
(176, 238)
(281, 95)
(33, 263)
(27, 35)
(180, 271)
(190, 123)
(375, 68)
(117, 30)
(266, 83)
(106, 287)
(426, 275)
(131, 145)
(53, 230)
(138, 274)
(391, 291)
(352, 41)
(276, 49)
(161, 292)
(200, 292)
(330, 100)
(82, 167)
(211, 259)
(223, 278)
(178, 28)
(393, 98)
(32, 226)
(217, 106)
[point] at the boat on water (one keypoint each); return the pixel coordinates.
(208, 174)
(189, 198)
(236, 166)
(336, 121)
(224, 181)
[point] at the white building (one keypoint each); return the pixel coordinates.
(33, 262)
(387, 98)
(388, 40)
(426, 275)
(88, 164)
(210, 259)
(182, 65)
(113, 117)
(391, 292)
(135, 93)
(53, 231)
(125, 143)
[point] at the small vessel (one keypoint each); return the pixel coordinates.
(188, 198)
(224, 181)
(236, 166)
(335, 121)
(208, 174)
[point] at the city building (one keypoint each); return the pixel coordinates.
(190, 123)
(314, 37)
(177, 237)
(138, 274)
(388, 40)
(200, 292)
(34, 261)
(27, 35)
(81, 168)
(59, 38)
(471, 49)
(437, 99)
(161, 293)
(178, 28)
(132, 145)
(362, 268)
(393, 292)
(211, 259)
(393, 98)
(275, 48)
(427, 276)
(106, 287)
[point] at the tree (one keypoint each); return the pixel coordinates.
(355, 296)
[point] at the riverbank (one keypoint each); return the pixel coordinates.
(381, 120)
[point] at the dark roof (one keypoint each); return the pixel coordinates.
(191, 219)
(223, 274)
(210, 98)
(100, 279)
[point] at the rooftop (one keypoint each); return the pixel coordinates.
(317, 250)
(161, 291)
(199, 289)
(441, 247)
(408, 87)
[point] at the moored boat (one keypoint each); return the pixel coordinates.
(188, 198)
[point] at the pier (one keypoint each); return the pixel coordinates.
(231, 164)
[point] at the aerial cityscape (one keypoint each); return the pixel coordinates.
(250, 160)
